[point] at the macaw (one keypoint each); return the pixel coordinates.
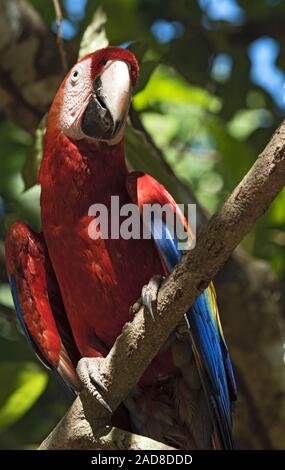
(73, 293)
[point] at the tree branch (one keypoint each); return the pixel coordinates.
(74, 432)
(142, 338)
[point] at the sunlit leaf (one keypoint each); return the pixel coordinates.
(236, 156)
(167, 85)
(94, 36)
(246, 121)
(5, 296)
(277, 209)
(142, 156)
(162, 127)
(21, 385)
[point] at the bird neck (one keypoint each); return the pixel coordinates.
(85, 164)
(75, 175)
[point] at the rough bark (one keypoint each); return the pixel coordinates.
(74, 432)
(249, 296)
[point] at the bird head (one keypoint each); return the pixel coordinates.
(93, 100)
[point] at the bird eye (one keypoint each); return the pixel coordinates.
(74, 76)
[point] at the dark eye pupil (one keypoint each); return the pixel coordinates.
(75, 74)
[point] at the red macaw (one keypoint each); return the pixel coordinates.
(72, 293)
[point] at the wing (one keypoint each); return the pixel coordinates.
(208, 343)
(38, 303)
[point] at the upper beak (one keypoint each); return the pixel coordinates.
(107, 109)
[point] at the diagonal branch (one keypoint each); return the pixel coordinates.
(75, 432)
(142, 338)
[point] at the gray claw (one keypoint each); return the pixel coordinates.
(98, 382)
(88, 370)
(187, 321)
(104, 404)
(147, 300)
(149, 295)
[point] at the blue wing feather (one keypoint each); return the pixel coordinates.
(218, 378)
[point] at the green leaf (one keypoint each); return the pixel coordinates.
(276, 211)
(166, 85)
(22, 384)
(143, 156)
(237, 155)
(6, 296)
(33, 161)
(94, 36)
(163, 127)
(246, 121)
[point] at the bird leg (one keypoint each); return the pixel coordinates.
(148, 298)
(88, 370)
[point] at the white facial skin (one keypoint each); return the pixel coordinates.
(115, 89)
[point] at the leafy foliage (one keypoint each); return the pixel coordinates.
(22, 385)
(94, 36)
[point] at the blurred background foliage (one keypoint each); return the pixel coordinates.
(210, 95)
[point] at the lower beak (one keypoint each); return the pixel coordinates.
(107, 109)
(97, 121)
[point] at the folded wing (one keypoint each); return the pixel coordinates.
(208, 343)
(38, 303)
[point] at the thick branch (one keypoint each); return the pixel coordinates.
(141, 339)
(75, 432)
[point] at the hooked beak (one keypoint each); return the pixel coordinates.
(106, 112)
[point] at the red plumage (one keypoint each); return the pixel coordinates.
(101, 279)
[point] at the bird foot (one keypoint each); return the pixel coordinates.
(149, 297)
(88, 370)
